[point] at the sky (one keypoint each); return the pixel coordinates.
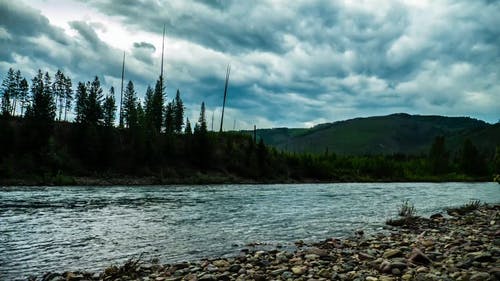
(293, 63)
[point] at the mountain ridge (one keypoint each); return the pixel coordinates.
(387, 134)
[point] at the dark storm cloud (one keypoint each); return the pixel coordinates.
(215, 24)
(295, 63)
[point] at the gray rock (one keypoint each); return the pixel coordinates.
(418, 257)
(287, 275)
(207, 277)
(480, 276)
(234, 268)
(392, 253)
(398, 265)
(396, 271)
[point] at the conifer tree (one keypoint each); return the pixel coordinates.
(169, 118)
(40, 114)
(130, 106)
(8, 89)
(59, 89)
(81, 103)
(68, 96)
(148, 111)
(157, 104)
(43, 106)
(16, 87)
(94, 103)
(178, 113)
(23, 94)
(203, 120)
(187, 129)
(141, 115)
(109, 108)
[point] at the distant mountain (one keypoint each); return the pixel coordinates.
(396, 133)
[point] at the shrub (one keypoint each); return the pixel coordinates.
(472, 205)
(407, 210)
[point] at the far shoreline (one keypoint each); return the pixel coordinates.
(208, 180)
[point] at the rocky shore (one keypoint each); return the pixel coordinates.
(464, 245)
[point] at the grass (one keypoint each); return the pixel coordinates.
(131, 269)
(407, 210)
(472, 205)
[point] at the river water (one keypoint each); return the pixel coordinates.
(88, 228)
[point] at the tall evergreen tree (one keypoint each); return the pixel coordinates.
(169, 118)
(94, 103)
(203, 120)
(8, 89)
(68, 96)
(130, 106)
(157, 105)
(187, 129)
(81, 103)
(59, 89)
(178, 113)
(109, 108)
(16, 91)
(148, 110)
(23, 95)
(44, 107)
(141, 115)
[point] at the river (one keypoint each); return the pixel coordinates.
(88, 228)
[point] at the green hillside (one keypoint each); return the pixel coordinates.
(396, 133)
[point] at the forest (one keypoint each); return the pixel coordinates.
(54, 131)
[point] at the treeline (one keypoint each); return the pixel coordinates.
(51, 133)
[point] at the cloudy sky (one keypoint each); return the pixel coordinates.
(293, 63)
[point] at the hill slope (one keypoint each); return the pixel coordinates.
(396, 133)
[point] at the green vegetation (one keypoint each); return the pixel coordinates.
(154, 140)
(407, 214)
(407, 210)
(465, 209)
(385, 135)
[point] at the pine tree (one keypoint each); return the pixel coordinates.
(8, 89)
(169, 118)
(23, 94)
(16, 91)
(43, 106)
(94, 103)
(178, 113)
(188, 130)
(157, 105)
(109, 108)
(141, 115)
(203, 120)
(148, 114)
(81, 103)
(40, 114)
(68, 96)
(59, 88)
(130, 106)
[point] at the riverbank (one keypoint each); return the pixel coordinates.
(462, 246)
(211, 178)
